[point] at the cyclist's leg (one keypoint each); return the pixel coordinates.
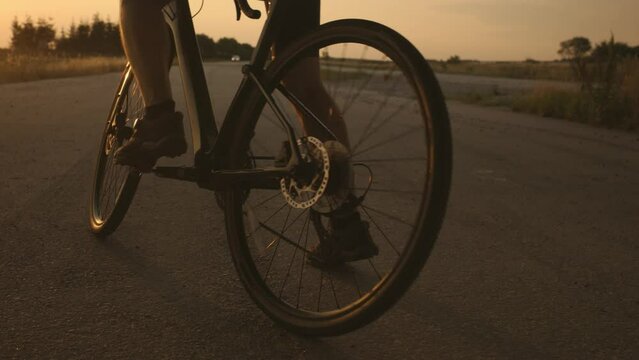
(148, 47)
(146, 41)
(348, 237)
(304, 81)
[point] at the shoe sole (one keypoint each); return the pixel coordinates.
(345, 257)
(147, 155)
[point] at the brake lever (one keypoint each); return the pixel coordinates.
(242, 6)
(238, 11)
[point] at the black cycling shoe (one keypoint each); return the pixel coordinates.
(347, 239)
(152, 139)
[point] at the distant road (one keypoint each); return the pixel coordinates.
(460, 84)
(538, 258)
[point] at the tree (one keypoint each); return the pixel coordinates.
(97, 40)
(598, 72)
(575, 48)
(604, 48)
(208, 48)
(100, 37)
(455, 59)
(227, 47)
(576, 51)
(31, 38)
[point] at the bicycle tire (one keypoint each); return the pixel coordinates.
(109, 201)
(432, 205)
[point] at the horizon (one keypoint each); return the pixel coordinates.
(495, 30)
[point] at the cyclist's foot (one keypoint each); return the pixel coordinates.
(153, 137)
(347, 239)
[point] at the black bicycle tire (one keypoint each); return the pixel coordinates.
(431, 218)
(125, 197)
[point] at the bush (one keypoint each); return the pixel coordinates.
(618, 111)
(550, 102)
(630, 93)
(455, 59)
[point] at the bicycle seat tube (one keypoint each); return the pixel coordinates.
(200, 110)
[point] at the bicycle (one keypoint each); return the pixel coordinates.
(401, 166)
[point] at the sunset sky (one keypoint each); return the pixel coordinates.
(473, 29)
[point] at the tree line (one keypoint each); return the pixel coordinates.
(99, 37)
(580, 47)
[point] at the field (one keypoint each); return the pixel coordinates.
(617, 108)
(19, 69)
(559, 71)
(546, 100)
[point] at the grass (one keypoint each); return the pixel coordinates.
(19, 69)
(558, 71)
(622, 110)
(516, 70)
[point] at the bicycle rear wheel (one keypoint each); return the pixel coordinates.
(400, 149)
(114, 185)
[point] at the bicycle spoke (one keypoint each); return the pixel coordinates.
(352, 84)
(361, 88)
(409, 131)
(305, 110)
(387, 215)
(382, 123)
(277, 193)
(339, 70)
(330, 280)
(299, 287)
(378, 113)
(290, 265)
(359, 292)
(278, 243)
(282, 237)
(381, 231)
(379, 277)
(319, 293)
(262, 225)
(269, 218)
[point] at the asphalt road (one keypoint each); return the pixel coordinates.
(538, 258)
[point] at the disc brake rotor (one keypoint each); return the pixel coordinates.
(303, 195)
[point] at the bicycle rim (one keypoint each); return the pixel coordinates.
(115, 185)
(400, 155)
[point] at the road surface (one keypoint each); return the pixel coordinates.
(538, 257)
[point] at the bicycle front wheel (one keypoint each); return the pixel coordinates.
(114, 185)
(399, 144)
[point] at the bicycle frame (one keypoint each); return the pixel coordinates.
(209, 143)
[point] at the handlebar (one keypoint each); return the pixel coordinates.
(243, 7)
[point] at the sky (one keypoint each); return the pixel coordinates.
(473, 29)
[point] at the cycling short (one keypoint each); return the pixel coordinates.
(304, 17)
